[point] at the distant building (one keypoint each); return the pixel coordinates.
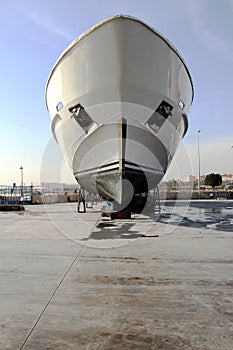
(193, 178)
(227, 178)
(189, 178)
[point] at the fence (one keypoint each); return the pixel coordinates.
(16, 194)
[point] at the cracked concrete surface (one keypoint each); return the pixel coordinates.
(172, 291)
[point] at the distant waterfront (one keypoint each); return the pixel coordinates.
(61, 193)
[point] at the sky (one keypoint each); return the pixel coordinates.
(33, 34)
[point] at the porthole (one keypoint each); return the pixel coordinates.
(59, 106)
(181, 104)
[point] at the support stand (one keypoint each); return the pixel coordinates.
(156, 199)
(81, 201)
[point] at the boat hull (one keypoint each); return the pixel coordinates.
(125, 156)
(119, 97)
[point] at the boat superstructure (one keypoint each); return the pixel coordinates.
(118, 98)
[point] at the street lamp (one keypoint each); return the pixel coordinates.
(21, 168)
(199, 163)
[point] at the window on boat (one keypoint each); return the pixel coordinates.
(82, 117)
(157, 119)
(59, 106)
(181, 104)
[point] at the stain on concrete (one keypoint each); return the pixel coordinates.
(104, 339)
(215, 215)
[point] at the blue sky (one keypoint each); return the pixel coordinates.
(34, 33)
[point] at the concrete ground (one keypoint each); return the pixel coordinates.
(78, 281)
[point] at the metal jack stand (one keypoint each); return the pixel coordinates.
(157, 206)
(90, 200)
(81, 201)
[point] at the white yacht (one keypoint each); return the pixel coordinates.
(119, 97)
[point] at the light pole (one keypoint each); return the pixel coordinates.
(21, 168)
(199, 163)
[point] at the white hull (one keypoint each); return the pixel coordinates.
(119, 98)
